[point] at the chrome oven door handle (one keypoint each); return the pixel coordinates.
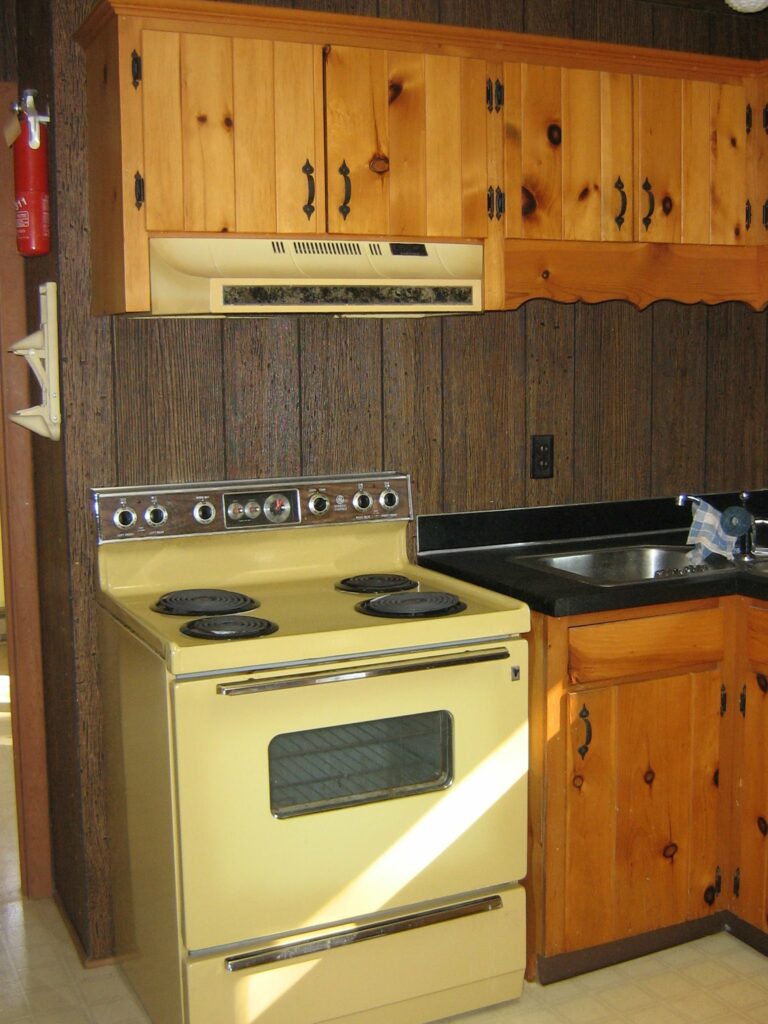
(276, 954)
(369, 672)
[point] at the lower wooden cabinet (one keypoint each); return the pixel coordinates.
(649, 784)
(750, 882)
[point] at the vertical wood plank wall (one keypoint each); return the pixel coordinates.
(640, 403)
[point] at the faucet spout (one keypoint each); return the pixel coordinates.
(685, 499)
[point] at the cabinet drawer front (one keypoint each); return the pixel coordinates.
(642, 647)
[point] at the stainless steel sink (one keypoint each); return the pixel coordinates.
(613, 567)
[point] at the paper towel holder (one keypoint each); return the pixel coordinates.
(41, 351)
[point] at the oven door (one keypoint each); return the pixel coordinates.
(306, 800)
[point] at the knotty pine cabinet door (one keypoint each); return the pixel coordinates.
(406, 144)
(232, 134)
(568, 154)
(757, 159)
(641, 806)
(749, 886)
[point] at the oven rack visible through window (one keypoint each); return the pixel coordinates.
(362, 762)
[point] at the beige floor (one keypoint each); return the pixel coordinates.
(716, 980)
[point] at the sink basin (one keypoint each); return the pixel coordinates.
(612, 567)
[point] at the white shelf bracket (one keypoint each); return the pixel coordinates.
(41, 351)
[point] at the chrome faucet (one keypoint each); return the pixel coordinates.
(685, 499)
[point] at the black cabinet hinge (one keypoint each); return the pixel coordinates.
(135, 69)
(765, 118)
(743, 701)
(138, 190)
(748, 214)
(723, 700)
(748, 118)
(737, 882)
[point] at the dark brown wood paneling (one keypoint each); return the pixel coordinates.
(612, 450)
(340, 395)
(679, 397)
(738, 35)
(483, 412)
(736, 407)
(261, 398)
(547, 19)
(412, 406)
(507, 17)
(549, 393)
(168, 400)
(413, 10)
(614, 21)
(680, 28)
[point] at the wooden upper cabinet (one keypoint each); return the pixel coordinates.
(406, 143)
(568, 153)
(658, 148)
(757, 159)
(232, 134)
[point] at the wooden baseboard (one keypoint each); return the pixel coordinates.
(747, 933)
(581, 961)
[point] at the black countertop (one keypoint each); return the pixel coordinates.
(484, 548)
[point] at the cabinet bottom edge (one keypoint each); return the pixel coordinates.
(582, 961)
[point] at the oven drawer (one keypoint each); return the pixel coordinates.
(429, 972)
(425, 771)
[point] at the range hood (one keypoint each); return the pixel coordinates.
(195, 276)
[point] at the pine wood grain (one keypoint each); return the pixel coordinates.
(582, 156)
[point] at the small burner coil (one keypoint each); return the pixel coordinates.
(204, 602)
(376, 583)
(228, 627)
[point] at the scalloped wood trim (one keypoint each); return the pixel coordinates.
(639, 272)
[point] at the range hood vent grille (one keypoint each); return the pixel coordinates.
(195, 276)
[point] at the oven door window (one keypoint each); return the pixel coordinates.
(360, 763)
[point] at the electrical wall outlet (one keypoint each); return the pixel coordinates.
(542, 456)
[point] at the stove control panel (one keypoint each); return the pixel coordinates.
(178, 510)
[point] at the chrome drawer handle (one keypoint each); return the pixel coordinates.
(276, 954)
(373, 671)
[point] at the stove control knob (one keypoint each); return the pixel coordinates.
(156, 515)
(236, 511)
(389, 499)
(204, 512)
(124, 518)
(252, 509)
(362, 501)
(318, 504)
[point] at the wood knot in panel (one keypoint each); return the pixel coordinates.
(529, 202)
(395, 88)
(554, 134)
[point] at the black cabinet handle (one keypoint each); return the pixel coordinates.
(748, 215)
(500, 203)
(765, 215)
(584, 716)
(489, 199)
(619, 218)
(489, 95)
(344, 172)
(309, 207)
(647, 187)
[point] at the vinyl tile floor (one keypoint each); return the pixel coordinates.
(715, 980)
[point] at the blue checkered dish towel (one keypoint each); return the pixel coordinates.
(707, 532)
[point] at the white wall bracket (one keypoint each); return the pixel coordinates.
(41, 351)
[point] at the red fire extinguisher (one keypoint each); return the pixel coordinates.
(30, 169)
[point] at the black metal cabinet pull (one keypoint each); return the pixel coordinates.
(647, 187)
(619, 218)
(500, 203)
(344, 172)
(309, 207)
(584, 716)
(748, 215)
(489, 95)
(765, 215)
(489, 199)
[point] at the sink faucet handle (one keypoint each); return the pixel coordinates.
(744, 496)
